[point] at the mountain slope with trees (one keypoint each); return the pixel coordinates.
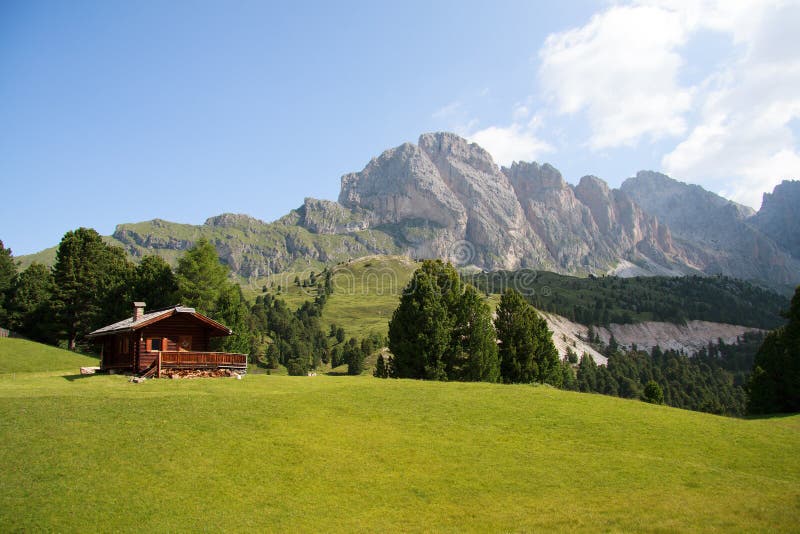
(610, 299)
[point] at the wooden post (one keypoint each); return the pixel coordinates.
(158, 365)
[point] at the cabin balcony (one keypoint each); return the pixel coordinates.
(199, 360)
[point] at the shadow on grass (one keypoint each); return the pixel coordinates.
(770, 416)
(336, 373)
(73, 378)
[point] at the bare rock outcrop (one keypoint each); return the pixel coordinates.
(446, 190)
(779, 216)
(716, 233)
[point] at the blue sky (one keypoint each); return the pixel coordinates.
(117, 112)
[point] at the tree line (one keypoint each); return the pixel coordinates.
(93, 284)
(443, 330)
(712, 380)
(610, 299)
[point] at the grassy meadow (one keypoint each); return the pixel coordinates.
(366, 292)
(331, 453)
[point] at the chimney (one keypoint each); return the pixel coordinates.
(138, 310)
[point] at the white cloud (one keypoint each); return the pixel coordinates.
(624, 73)
(742, 144)
(511, 143)
(621, 69)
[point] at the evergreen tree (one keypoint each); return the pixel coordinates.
(653, 393)
(203, 283)
(354, 357)
(8, 272)
(420, 331)
(91, 279)
(231, 310)
(201, 277)
(476, 356)
(442, 329)
(154, 283)
(527, 352)
(30, 304)
(775, 383)
(587, 374)
(381, 371)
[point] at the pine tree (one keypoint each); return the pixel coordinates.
(203, 283)
(775, 383)
(587, 374)
(30, 305)
(476, 355)
(8, 272)
(527, 352)
(91, 279)
(154, 283)
(442, 329)
(354, 357)
(420, 330)
(380, 368)
(201, 277)
(653, 393)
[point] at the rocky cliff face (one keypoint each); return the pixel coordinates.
(588, 227)
(445, 197)
(525, 215)
(779, 216)
(717, 234)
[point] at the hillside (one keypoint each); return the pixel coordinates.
(609, 299)
(446, 198)
(344, 454)
(366, 292)
(22, 356)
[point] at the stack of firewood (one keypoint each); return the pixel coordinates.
(197, 373)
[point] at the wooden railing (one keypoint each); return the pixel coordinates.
(200, 360)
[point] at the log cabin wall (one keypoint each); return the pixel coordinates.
(170, 331)
(118, 351)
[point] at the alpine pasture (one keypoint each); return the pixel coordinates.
(339, 453)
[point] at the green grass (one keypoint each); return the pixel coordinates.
(366, 292)
(21, 356)
(281, 453)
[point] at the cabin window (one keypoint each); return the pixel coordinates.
(154, 344)
(124, 345)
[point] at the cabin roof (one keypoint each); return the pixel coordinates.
(130, 324)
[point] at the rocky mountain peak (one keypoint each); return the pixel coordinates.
(449, 145)
(530, 178)
(445, 197)
(233, 220)
(592, 186)
(779, 216)
(717, 233)
(402, 183)
(651, 184)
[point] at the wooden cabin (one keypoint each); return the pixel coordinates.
(171, 338)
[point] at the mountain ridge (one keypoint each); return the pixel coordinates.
(445, 197)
